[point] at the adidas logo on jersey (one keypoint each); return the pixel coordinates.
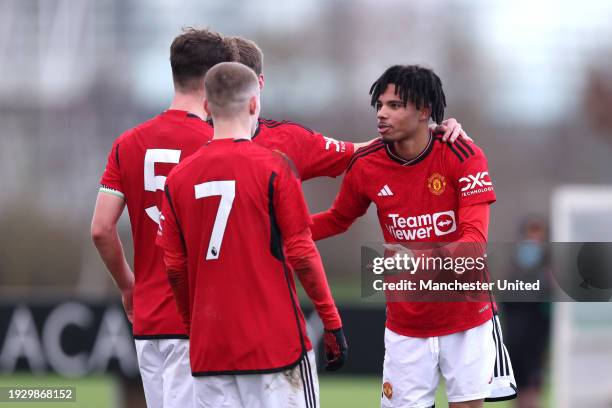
(385, 191)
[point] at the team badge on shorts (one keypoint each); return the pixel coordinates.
(436, 184)
(388, 390)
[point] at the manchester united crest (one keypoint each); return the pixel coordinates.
(388, 390)
(436, 183)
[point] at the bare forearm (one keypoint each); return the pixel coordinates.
(111, 251)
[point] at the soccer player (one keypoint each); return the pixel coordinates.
(233, 219)
(135, 175)
(410, 175)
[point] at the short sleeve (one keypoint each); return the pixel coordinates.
(472, 179)
(111, 178)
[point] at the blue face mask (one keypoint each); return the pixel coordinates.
(529, 254)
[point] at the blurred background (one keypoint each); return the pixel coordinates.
(530, 81)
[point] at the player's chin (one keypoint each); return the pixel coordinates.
(387, 137)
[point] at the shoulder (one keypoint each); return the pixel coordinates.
(151, 125)
(130, 134)
(126, 136)
(265, 159)
(284, 126)
(365, 153)
(186, 163)
(284, 163)
(459, 152)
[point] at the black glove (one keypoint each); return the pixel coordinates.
(336, 349)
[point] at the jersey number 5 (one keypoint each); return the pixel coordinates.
(227, 191)
(153, 182)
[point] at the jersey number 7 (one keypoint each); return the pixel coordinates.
(227, 190)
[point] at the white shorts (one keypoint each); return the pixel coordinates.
(165, 371)
(413, 366)
(297, 387)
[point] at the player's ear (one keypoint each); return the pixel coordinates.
(425, 113)
(253, 105)
(261, 81)
(207, 108)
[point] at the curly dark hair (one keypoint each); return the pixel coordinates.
(414, 83)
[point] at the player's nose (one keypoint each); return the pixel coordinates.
(382, 113)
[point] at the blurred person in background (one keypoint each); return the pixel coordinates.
(528, 324)
(138, 163)
(248, 341)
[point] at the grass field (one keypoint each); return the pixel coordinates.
(91, 392)
(364, 392)
(101, 392)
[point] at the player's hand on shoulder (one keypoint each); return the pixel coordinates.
(336, 349)
(452, 131)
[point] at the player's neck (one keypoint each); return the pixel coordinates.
(231, 129)
(412, 146)
(192, 103)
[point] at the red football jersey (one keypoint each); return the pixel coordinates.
(313, 154)
(137, 166)
(227, 209)
(417, 201)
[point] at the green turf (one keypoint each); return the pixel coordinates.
(335, 390)
(91, 392)
(347, 292)
(365, 392)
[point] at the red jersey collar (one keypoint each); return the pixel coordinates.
(397, 158)
(226, 141)
(210, 122)
(180, 114)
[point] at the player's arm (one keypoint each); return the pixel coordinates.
(475, 194)
(293, 220)
(473, 227)
(474, 223)
(316, 155)
(171, 240)
(106, 239)
(349, 205)
(109, 206)
(305, 260)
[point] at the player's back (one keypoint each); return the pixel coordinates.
(138, 164)
(230, 202)
(313, 154)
